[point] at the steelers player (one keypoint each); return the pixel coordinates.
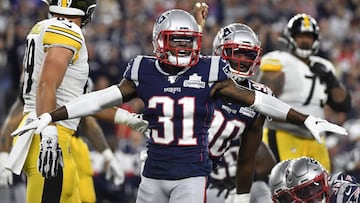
(305, 81)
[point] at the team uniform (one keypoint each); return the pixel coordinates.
(229, 123)
(305, 93)
(178, 145)
(48, 33)
(344, 188)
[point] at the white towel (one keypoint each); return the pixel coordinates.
(19, 151)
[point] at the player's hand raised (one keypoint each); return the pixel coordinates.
(317, 126)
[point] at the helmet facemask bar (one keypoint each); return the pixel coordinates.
(243, 59)
(316, 189)
(282, 197)
(88, 15)
(186, 51)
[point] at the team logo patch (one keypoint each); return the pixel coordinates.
(247, 112)
(194, 82)
(172, 90)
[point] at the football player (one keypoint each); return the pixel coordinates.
(305, 81)
(179, 88)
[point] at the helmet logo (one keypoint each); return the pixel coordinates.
(306, 24)
(226, 32)
(160, 19)
(64, 3)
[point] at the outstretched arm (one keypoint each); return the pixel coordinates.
(273, 107)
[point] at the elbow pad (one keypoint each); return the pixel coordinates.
(89, 104)
(270, 106)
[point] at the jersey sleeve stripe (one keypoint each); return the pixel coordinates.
(214, 69)
(135, 70)
(61, 40)
(61, 29)
(270, 65)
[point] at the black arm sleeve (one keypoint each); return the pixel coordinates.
(343, 106)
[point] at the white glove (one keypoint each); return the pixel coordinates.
(318, 125)
(39, 124)
(114, 170)
(50, 157)
(6, 177)
(132, 120)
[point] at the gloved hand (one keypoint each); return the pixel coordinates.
(6, 177)
(114, 170)
(39, 124)
(318, 125)
(325, 74)
(227, 184)
(200, 13)
(50, 157)
(133, 120)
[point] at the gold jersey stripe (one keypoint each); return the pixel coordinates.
(70, 32)
(270, 65)
(60, 39)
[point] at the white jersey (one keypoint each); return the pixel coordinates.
(48, 33)
(302, 89)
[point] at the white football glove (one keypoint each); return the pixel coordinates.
(38, 124)
(133, 120)
(6, 176)
(318, 125)
(50, 157)
(114, 170)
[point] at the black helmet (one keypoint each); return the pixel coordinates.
(302, 23)
(82, 8)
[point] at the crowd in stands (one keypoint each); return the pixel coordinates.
(122, 29)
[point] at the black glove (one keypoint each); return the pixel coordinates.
(226, 184)
(325, 75)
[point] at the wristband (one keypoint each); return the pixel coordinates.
(242, 198)
(49, 130)
(108, 155)
(122, 116)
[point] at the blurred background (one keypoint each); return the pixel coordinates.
(122, 29)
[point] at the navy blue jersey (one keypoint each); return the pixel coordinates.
(179, 110)
(229, 123)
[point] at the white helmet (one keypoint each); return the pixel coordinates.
(307, 180)
(302, 23)
(239, 45)
(84, 8)
(180, 27)
(277, 182)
